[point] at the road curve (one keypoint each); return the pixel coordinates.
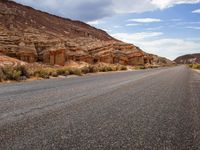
(149, 109)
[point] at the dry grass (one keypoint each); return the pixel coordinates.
(43, 71)
(195, 66)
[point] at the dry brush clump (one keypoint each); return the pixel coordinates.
(43, 71)
(194, 66)
(13, 73)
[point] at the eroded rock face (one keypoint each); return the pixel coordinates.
(5, 60)
(32, 35)
(188, 59)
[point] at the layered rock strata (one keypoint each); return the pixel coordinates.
(34, 36)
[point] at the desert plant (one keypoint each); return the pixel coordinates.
(62, 71)
(195, 66)
(11, 73)
(67, 73)
(123, 68)
(93, 69)
(190, 65)
(85, 70)
(2, 75)
(109, 68)
(24, 70)
(103, 69)
(75, 71)
(43, 73)
(54, 74)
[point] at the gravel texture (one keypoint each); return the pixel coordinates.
(145, 110)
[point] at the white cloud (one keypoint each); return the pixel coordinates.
(155, 28)
(132, 6)
(132, 24)
(95, 22)
(138, 6)
(194, 27)
(84, 9)
(130, 38)
(167, 47)
(117, 26)
(162, 4)
(145, 20)
(196, 11)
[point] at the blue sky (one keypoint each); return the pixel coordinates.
(168, 28)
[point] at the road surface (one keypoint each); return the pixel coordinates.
(148, 109)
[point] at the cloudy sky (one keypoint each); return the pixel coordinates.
(165, 27)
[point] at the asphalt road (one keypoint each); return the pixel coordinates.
(149, 109)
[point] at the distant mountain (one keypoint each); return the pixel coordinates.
(35, 36)
(188, 59)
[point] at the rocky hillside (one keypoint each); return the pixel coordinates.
(188, 59)
(34, 36)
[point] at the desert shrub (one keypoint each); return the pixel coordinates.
(24, 71)
(114, 68)
(43, 73)
(195, 66)
(85, 70)
(2, 75)
(123, 68)
(62, 71)
(76, 71)
(190, 65)
(109, 68)
(103, 69)
(93, 69)
(153, 67)
(54, 74)
(67, 73)
(118, 68)
(11, 73)
(140, 67)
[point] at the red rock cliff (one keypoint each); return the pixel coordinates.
(31, 35)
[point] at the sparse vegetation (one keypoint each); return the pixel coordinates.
(23, 72)
(42, 73)
(140, 67)
(2, 75)
(10, 73)
(194, 66)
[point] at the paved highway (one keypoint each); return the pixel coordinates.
(145, 110)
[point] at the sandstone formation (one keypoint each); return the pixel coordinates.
(5, 60)
(188, 59)
(34, 36)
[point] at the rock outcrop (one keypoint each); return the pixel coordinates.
(5, 60)
(188, 59)
(34, 36)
